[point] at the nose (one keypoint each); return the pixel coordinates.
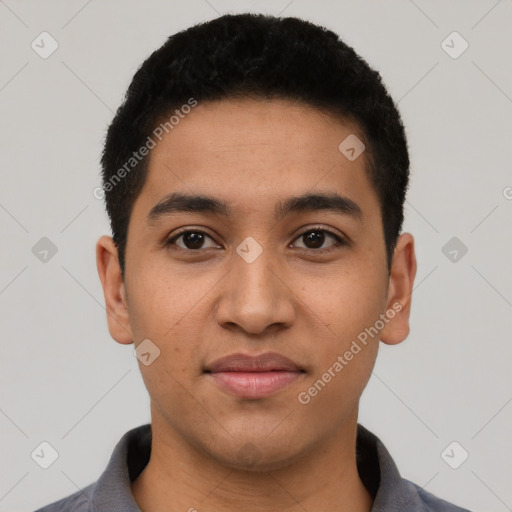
(255, 296)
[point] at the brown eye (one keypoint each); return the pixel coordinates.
(191, 240)
(315, 238)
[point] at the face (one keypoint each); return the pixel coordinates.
(254, 272)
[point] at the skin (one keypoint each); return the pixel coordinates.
(213, 451)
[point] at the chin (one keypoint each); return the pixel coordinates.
(256, 457)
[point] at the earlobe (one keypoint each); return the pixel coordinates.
(401, 281)
(111, 278)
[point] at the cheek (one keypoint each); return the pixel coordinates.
(332, 395)
(164, 298)
(346, 303)
(348, 306)
(167, 311)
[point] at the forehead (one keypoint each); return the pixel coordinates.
(254, 153)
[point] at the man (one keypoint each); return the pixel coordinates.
(255, 177)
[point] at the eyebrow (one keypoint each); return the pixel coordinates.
(178, 202)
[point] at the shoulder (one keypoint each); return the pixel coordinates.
(382, 478)
(432, 503)
(76, 502)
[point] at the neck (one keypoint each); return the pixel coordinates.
(179, 477)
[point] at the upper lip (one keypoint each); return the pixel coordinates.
(269, 361)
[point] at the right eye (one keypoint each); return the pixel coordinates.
(191, 240)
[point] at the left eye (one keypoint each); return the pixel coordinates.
(315, 238)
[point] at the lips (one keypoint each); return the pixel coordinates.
(253, 377)
(267, 362)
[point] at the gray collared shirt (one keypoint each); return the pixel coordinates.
(112, 491)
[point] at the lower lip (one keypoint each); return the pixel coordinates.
(254, 384)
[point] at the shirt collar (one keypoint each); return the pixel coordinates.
(376, 468)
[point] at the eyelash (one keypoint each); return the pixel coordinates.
(340, 242)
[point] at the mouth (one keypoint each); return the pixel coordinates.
(254, 377)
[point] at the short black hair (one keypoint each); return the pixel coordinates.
(255, 56)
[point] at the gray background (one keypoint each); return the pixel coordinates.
(65, 381)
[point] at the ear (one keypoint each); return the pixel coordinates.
(401, 280)
(107, 262)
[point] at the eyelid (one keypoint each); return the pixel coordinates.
(319, 227)
(186, 229)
